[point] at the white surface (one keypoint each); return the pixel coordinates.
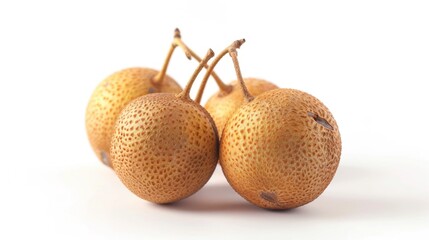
(366, 60)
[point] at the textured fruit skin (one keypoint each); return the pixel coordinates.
(275, 154)
(164, 148)
(221, 106)
(111, 96)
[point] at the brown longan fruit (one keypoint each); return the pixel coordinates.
(165, 146)
(281, 149)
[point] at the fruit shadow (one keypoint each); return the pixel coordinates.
(220, 197)
(217, 196)
(353, 194)
(213, 198)
(338, 202)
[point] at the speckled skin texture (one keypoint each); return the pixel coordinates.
(111, 96)
(165, 148)
(281, 150)
(222, 106)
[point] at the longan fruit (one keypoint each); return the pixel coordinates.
(165, 146)
(281, 149)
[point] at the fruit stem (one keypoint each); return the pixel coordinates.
(185, 93)
(178, 42)
(219, 82)
(159, 78)
(247, 96)
(225, 88)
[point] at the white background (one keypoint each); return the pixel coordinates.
(368, 61)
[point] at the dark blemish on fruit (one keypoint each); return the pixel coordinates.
(320, 120)
(152, 90)
(269, 196)
(105, 158)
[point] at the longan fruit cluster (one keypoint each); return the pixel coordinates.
(278, 148)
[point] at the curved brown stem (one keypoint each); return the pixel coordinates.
(228, 88)
(247, 96)
(157, 80)
(178, 42)
(219, 82)
(185, 93)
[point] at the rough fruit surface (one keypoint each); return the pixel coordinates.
(164, 148)
(111, 96)
(281, 150)
(221, 106)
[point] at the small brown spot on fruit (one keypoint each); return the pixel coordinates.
(320, 120)
(269, 196)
